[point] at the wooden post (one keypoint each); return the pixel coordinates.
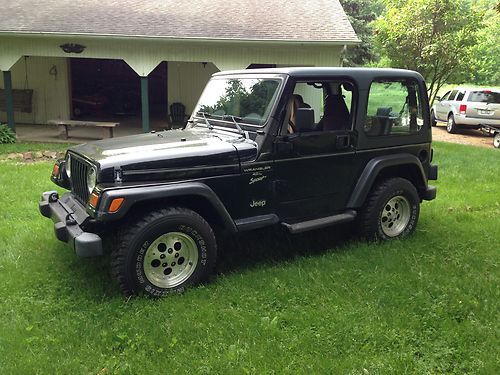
(9, 102)
(145, 104)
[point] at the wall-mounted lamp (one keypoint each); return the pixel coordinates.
(72, 48)
(204, 63)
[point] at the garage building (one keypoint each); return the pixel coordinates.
(130, 60)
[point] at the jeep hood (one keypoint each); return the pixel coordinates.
(169, 154)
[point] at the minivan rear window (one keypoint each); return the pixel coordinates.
(484, 97)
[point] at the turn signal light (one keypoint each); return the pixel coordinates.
(94, 199)
(55, 170)
(115, 205)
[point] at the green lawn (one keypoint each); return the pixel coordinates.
(25, 147)
(303, 304)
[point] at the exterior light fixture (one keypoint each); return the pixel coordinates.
(72, 48)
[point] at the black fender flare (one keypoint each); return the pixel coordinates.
(136, 194)
(373, 169)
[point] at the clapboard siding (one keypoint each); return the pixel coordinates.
(50, 91)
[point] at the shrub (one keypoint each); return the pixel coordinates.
(6, 134)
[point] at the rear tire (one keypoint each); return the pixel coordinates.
(164, 252)
(390, 211)
(451, 125)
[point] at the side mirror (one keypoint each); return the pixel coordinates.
(438, 99)
(304, 120)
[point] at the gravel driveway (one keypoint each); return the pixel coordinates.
(465, 137)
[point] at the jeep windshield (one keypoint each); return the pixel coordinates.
(226, 101)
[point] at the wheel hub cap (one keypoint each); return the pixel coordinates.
(170, 260)
(395, 216)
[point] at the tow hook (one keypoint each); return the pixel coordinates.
(70, 220)
(53, 197)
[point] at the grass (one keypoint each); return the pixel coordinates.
(25, 147)
(302, 304)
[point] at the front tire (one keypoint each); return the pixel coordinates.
(391, 210)
(451, 125)
(164, 252)
(433, 119)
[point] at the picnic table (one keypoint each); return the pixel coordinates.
(95, 124)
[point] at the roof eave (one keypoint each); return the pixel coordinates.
(339, 42)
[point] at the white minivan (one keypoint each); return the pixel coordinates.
(467, 107)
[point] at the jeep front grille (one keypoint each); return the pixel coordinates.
(79, 171)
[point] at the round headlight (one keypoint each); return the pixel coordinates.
(68, 166)
(91, 179)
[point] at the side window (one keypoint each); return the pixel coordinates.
(460, 96)
(453, 94)
(394, 108)
(445, 96)
(329, 102)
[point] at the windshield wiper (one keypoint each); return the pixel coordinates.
(203, 114)
(240, 130)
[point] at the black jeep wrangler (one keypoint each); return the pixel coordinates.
(303, 148)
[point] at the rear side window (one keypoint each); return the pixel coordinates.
(460, 96)
(394, 108)
(453, 94)
(484, 97)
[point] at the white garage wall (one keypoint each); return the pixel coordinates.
(186, 81)
(48, 78)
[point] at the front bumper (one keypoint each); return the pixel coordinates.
(68, 215)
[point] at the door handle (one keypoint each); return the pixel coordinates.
(343, 141)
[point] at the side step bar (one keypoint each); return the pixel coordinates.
(322, 222)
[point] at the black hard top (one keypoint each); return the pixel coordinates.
(326, 71)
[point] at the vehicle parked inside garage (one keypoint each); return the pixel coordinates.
(300, 148)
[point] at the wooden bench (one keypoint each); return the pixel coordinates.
(90, 124)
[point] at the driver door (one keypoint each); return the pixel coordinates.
(313, 169)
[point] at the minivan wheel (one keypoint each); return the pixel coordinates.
(391, 210)
(433, 119)
(451, 126)
(163, 252)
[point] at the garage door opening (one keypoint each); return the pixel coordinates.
(109, 90)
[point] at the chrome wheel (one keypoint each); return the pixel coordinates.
(170, 260)
(449, 124)
(395, 216)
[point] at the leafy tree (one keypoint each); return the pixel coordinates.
(433, 37)
(361, 13)
(485, 61)
(242, 101)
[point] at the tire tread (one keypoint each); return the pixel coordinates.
(126, 235)
(368, 220)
